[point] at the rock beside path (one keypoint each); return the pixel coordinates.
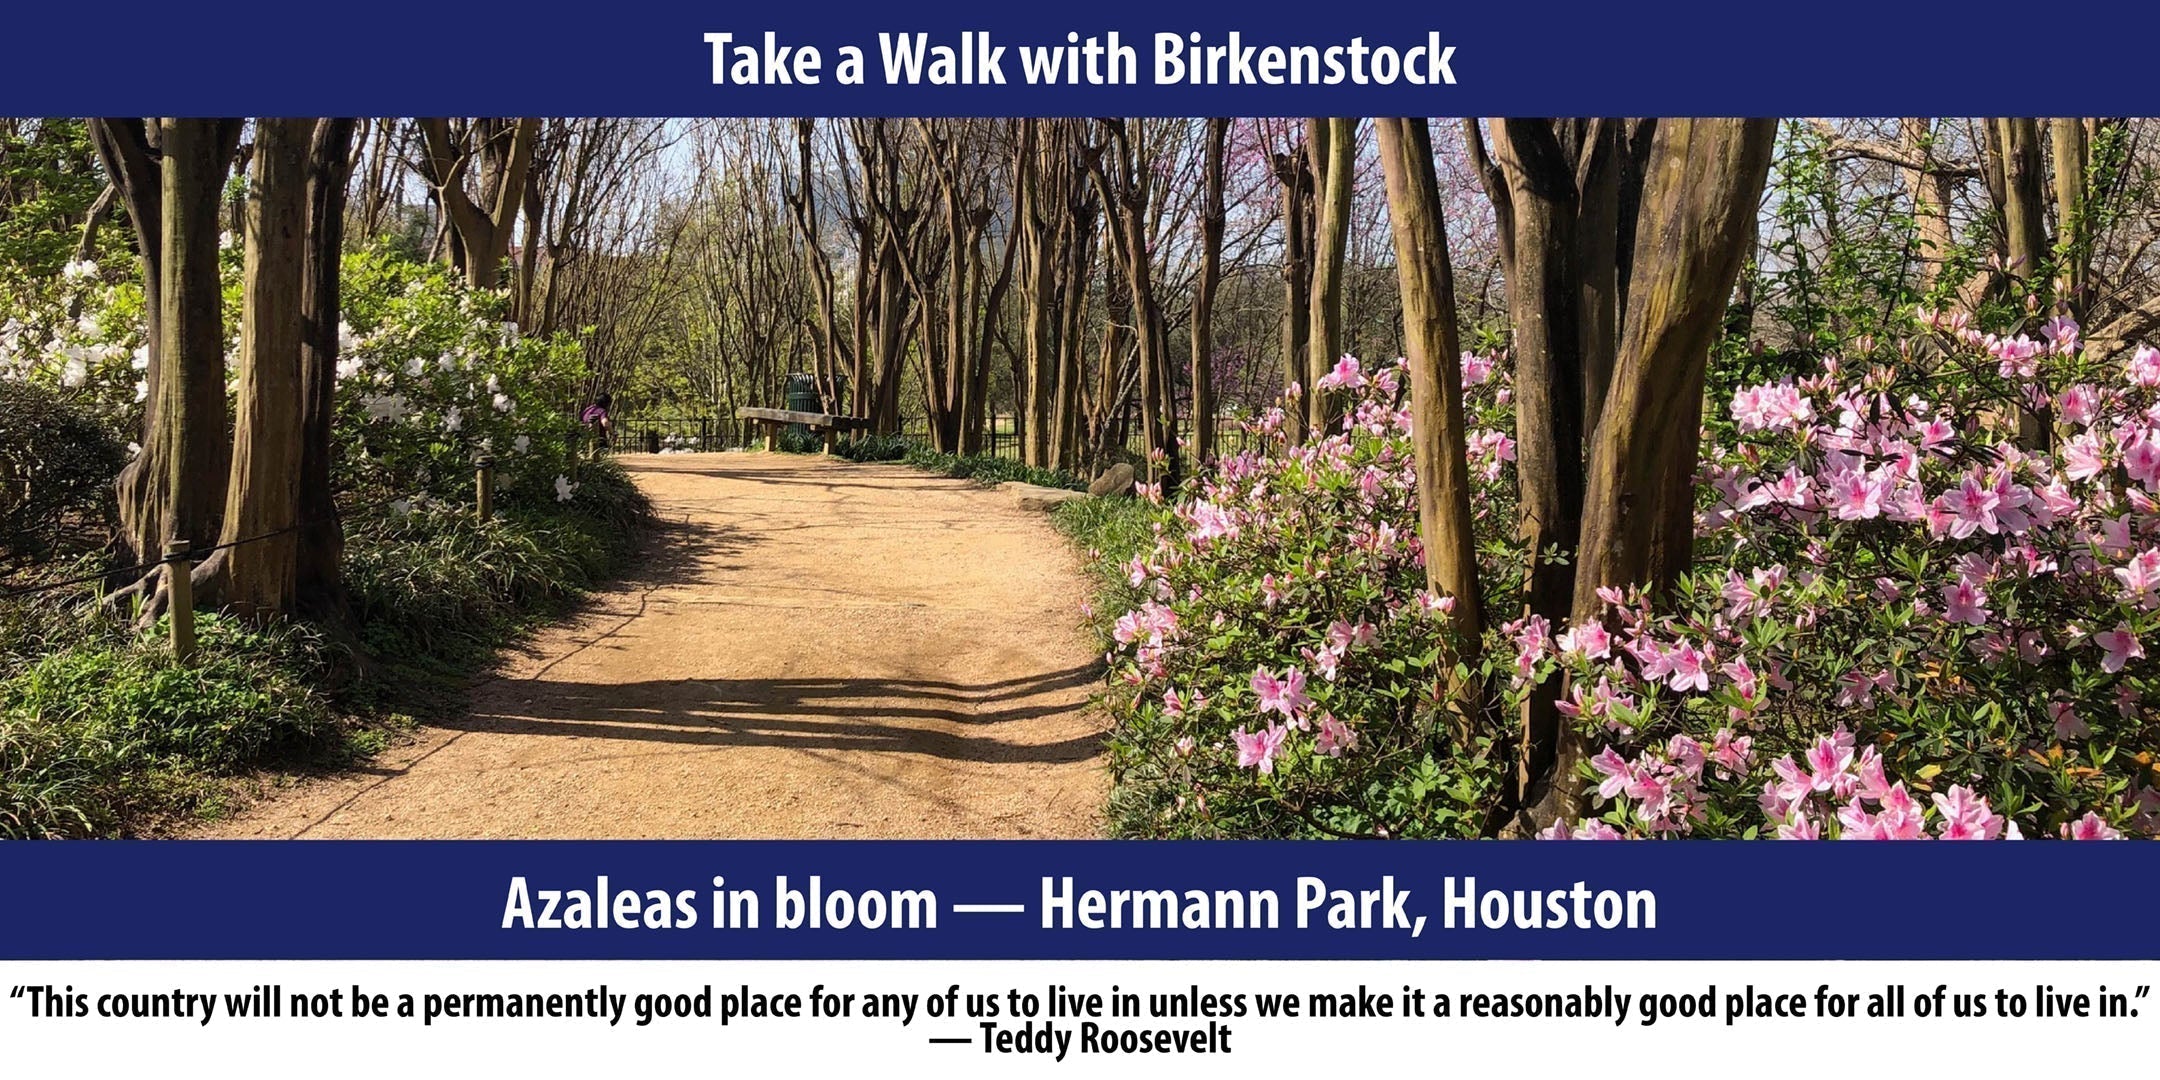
(1115, 480)
(1038, 498)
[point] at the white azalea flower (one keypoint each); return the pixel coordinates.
(74, 373)
(142, 389)
(564, 488)
(415, 366)
(503, 404)
(522, 444)
(385, 406)
(349, 366)
(453, 420)
(79, 270)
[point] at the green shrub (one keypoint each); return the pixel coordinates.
(57, 464)
(799, 440)
(876, 448)
(432, 582)
(991, 471)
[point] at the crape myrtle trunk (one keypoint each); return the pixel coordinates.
(171, 172)
(257, 575)
(1700, 192)
(1431, 348)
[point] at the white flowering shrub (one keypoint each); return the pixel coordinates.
(431, 376)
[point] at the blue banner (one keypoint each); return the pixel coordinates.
(338, 900)
(653, 58)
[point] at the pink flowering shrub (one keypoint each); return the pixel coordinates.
(1900, 624)
(1278, 668)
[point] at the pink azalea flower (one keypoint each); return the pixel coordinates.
(2144, 367)
(2141, 576)
(2121, 646)
(2141, 459)
(2078, 405)
(1587, 829)
(1872, 784)
(1962, 603)
(1336, 738)
(1965, 815)
(1743, 678)
(1800, 827)
(1900, 819)
(1259, 749)
(1326, 661)
(2091, 827)
(1285, 695)
(1792, 784)
(1476, 369)
(1731, 753)
(1590, 641)
(1687, 668)
(1855, 495)
(1828, 759)
(1346, 375)
(1615, 770)
(1973, 508)
(1935, 433)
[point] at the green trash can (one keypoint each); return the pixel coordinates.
(802, 393)
(802, 396)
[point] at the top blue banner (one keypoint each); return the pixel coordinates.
(1122, 57)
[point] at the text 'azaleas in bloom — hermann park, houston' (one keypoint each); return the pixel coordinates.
(1314, 903)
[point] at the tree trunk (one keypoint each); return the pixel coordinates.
(320, 579)
(1544, 304)
(1126, 198)
(1295, 176)
(1700, 195)
(175, 488)
(128, 149)
(2020, 181)
(257, 576)
(2073, 226)
(1212, 219)
(1330, 245)
(1431, 347)
(481, 233)
(1533, 178)
(1080, 245)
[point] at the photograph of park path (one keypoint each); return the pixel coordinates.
(1167, 477)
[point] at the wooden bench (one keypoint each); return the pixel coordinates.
(825, 424)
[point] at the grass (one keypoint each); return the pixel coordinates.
(102, 734)
(1109, 533)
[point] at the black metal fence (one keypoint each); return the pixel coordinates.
(1001, 435)
(655, 434)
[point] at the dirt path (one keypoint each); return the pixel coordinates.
(811, 648)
